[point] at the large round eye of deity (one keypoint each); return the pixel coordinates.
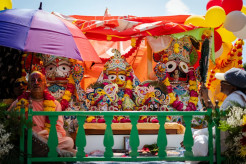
(118, 77)
(153, 107)
(122, 77)
(111, 77)
(64, 68)
(171, 66)
(183, 67)
(50, 68)
(58, 69)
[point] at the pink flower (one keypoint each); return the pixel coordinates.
(48, 96)
(101, 120)
(192, 106)
(64, 104)
(193, 93)
(140, 121)
(25, 95)
(169, 89)
(188, 108)
(154, 121)
(178, 105)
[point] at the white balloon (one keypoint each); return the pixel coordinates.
(235, 21)
(219, 52)
(241, 34)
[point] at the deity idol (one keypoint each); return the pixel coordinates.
(119, 72)
(100, 96)
(176, 70)
(150, 96)
(63, 80)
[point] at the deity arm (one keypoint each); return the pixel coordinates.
(80, 92)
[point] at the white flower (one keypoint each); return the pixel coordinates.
(234, 117)
(4, 139)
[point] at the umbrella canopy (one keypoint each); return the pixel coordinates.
(42, 32)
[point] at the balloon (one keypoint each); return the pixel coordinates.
(217, 41)
(232, 5)
(235, 21)
(244, 10)
(227, 36)
(219, 52)
(5, 4)
(196, 20)
(215, 16)
(241, 34)
(212, 3)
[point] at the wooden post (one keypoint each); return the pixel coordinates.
(149, 59)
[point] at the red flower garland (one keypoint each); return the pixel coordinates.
(129, 53)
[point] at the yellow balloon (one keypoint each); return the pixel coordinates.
(215, 16)
(6, 4)
(244, 10)
(196, 20)
(226, 36)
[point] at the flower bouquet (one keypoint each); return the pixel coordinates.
(234, 123)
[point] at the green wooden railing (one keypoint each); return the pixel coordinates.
(109, 141)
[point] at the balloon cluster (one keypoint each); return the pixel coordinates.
(228, 19)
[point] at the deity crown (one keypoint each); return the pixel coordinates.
(117, 61)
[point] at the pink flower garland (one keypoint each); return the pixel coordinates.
(178, 105)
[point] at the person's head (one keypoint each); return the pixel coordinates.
(20, 85)
(36, 83)
(232, 80)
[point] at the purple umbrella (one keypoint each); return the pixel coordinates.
(42, 32)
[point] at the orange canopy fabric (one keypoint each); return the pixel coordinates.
(121, 28)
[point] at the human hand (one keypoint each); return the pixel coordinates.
(182, 144)
(204, 92)
(44, 133)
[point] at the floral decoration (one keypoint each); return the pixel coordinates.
(48, 105)
(4, 142)
(71, 84)
(178, 105)
(234, 123)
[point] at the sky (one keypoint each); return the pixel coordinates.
(120, 8)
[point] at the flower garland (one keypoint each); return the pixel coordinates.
(193, 94)
(68, 93)
(48, 105)
(128, 104)
(69, 90)
(134, 43)
(234, 55)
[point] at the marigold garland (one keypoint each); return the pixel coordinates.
(68, 93)
(193, 94)
(48, 105)
(234, 55)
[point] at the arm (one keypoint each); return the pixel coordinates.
(59, 126)
(13, 105)
(204, 97)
